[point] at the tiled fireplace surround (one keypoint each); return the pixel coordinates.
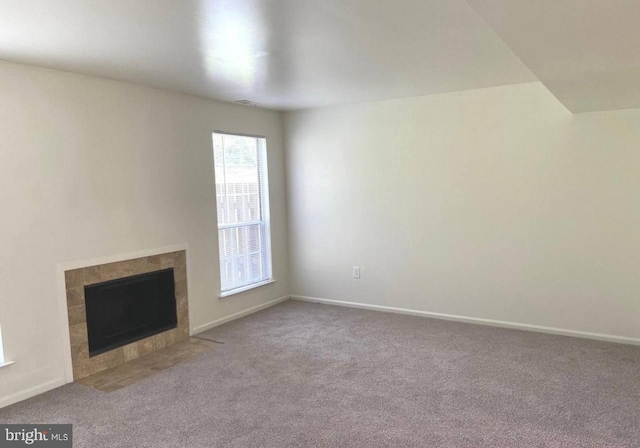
(77, 279)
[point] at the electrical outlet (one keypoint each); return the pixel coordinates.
(356, 272)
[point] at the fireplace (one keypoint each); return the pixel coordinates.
(123, 310)
(129, 309)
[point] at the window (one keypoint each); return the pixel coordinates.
(2, 361)
(243, 211)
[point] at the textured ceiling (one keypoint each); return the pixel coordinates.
(293, 54)
(281, 54)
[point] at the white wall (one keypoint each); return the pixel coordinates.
(94, 168)
(494, 203)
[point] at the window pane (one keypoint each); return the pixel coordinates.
(240, 255)
(237, 163)
(255, 267)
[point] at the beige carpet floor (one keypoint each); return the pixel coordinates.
(308, 375)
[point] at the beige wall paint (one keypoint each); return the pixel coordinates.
(92, 168)
(494, 203)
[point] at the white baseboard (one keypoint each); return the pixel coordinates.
(32, 392)
(42, 388)
(238, 315)
(475, 320)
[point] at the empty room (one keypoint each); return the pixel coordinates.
(305, 223)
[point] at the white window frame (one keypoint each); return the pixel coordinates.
(265, 222)
(3, 363)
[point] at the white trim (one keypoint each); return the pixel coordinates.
(238, 315)
(122, 257)
(62, 291)
(6, 364)
(476, 320)
(2, 361)
(265, 196)
(233, 292)
(239, 134)
(238, 224)
(31, 392)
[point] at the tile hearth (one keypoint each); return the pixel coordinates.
(138, 369)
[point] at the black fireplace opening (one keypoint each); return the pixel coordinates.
(129, 309)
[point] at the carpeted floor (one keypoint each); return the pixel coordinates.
(307, 375)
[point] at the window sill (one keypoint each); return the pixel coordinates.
(5, 364)
(233, 292)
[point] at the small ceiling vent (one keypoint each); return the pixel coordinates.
(246, 103)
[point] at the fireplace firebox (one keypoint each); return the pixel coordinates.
(129, 309)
